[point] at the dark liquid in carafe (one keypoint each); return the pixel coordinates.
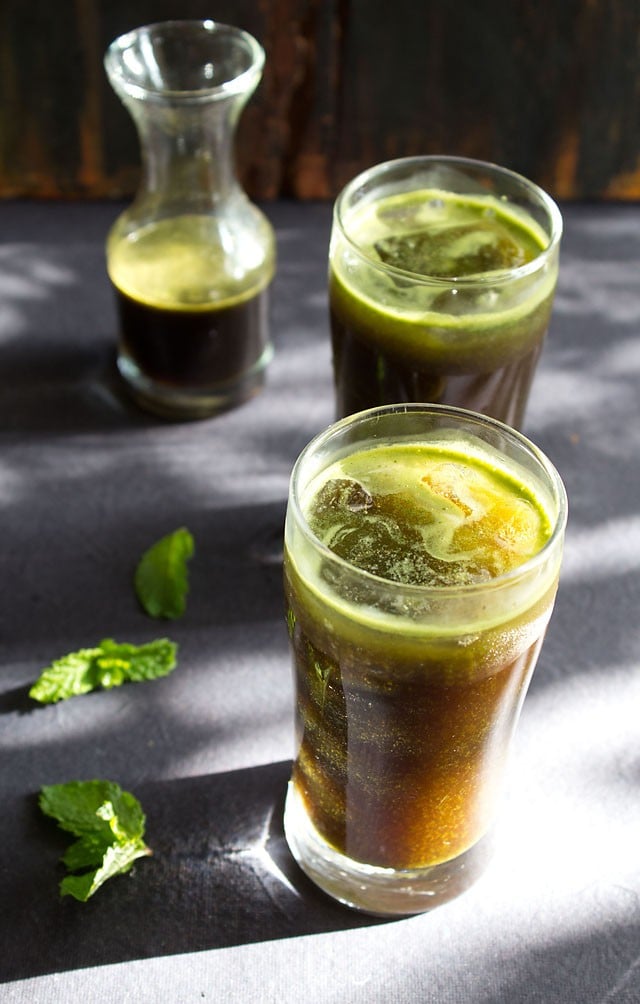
(193, 348)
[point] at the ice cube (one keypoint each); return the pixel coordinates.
(337, 508)
(455, 483)
(338, 495)
(451, 251)
(510, 532)
(401, 213)
(380, 534)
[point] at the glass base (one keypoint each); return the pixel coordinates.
(183, 403)
(383, 892)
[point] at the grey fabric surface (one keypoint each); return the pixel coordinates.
(220, 912)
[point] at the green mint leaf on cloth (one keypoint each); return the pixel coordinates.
(70, 675)
(118, 859)
(161, 580)
(107, 665)
(135, 662)
(109, 824)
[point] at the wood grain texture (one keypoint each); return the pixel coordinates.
(549, 89)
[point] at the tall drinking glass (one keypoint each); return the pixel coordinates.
(442, 272)
(422, 554)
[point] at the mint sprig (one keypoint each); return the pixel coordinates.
(109, 664)
(161, 579)
(109, 824)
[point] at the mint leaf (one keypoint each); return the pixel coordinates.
(161, 581)
(79, 807)
(110, 825)
(107, 665)
(73, 674)
(87, 852)
(136, 662)
(118, 859)
(75, 805)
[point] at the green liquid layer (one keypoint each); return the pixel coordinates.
(182, 263)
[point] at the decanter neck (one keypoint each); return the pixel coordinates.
(185, 84)
(187, 153)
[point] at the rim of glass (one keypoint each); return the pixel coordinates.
(479, 278)
(557, 491)
(235, 85)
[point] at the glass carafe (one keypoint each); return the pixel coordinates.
(192, 258)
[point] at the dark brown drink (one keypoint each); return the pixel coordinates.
(194, 348)
(401, 753)
(367, 374)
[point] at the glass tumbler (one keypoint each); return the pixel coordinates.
(422, 552)
(442, 272)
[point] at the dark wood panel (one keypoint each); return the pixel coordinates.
(551, 89)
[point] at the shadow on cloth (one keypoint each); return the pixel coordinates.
(220, 875)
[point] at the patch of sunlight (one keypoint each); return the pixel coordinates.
(622, 358)
(600, 288)
(572, 816)
(594, 554)
(24, 280)
(11, 484)
(258, 855)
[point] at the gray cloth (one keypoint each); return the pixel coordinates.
(220, 912)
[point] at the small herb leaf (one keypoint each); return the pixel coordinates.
(118, 859)
(72, 674)
(109, 823)
(161, 580)
(107, 665)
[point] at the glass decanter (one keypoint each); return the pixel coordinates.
(191, 259)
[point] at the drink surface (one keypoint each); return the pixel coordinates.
(405, 713)
(189, 315)
(443, 513)
(445, 235)
(426, 515)
(433, 308)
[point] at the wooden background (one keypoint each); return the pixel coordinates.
(549, 88)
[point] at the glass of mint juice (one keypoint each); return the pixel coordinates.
(442, 272)
(422, 552)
